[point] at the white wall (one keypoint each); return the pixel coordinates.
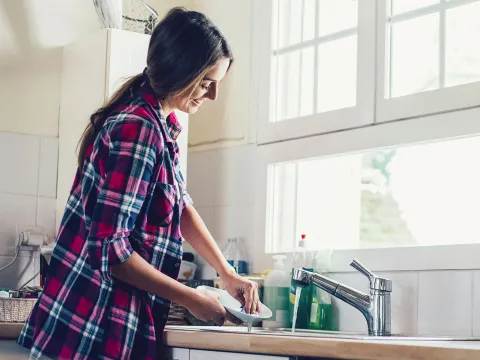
(28, 179)
(31, 36)
(33, 84)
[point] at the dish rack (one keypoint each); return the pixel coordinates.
(15, 310)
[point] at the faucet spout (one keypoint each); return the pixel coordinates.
(376, 307)
(351, 296)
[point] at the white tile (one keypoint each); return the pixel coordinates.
(445, 303)
(347, 317)
(47, 186)
(233, 221)
(224, 222)
(16, 210)
(476, 303)
(236, 175)
(46, 215)
(404, 301)
(202, 177)
(19, 162)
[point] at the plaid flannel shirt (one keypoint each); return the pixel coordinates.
(128, 196)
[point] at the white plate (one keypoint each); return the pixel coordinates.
(234, 307)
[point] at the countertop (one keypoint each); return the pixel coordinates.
(323, 347)
(291, 345)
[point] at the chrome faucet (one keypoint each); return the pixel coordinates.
(376, 307)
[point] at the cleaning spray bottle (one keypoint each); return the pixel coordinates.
(276, 290)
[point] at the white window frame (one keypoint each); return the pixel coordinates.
(429, 102)
(436, 127)
(360, 115)
(441, 114)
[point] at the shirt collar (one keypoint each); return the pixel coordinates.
(170, 124)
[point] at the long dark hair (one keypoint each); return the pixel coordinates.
(183, 47)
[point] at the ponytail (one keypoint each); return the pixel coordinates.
(98, 117)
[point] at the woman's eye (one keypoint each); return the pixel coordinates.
(205, 87)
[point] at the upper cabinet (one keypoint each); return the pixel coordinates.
(93, 69)
(227, 121)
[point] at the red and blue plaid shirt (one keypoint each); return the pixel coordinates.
(128, 196)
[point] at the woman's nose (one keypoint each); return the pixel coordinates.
(212, 92)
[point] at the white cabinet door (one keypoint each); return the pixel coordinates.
(127, 56)
(178, 354)
(226, 121)
(220, 355)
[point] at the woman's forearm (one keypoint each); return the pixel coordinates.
(139, 273)
(196, 233)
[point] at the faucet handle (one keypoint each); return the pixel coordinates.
(376, 282)
(360, 267)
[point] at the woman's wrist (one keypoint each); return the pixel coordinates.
(226, 271)
(188, 297)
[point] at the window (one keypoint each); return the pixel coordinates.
(314, 58)
(322, 66)
(427, 58)
(387, 158)
(417, 195)
(306, 67)
(431, 45)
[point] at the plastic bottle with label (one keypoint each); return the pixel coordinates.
(276, 291)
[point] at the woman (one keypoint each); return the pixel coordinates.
(112, 273)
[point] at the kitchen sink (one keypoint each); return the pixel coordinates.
(319, 334)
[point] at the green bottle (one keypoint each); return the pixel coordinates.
(321, 311)
(302, 258)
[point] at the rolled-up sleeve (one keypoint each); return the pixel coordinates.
(133, 147)
(186, 199)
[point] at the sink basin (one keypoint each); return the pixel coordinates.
(319, 334)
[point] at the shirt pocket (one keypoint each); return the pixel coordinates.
(163, 204)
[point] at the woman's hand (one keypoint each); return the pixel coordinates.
(205, 306)
(243, 290)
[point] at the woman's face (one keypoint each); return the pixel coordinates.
(190, 101)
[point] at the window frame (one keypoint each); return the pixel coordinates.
(441, 114)
(343, 119)
(451, 125)
(429, 102)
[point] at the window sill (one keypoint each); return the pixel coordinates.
(438, 257)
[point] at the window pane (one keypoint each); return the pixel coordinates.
(289, 22)
(309, 20)
(337, 15)
(307, 81)
(282, 206)
(401, 6)
(328, 198)
(415, 55)
(462, 50)
(288, 85)
(407, 196)
(337, 74)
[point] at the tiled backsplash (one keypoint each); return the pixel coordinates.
(28, 182)
(423, 302)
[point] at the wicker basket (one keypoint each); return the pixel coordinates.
(15, 310)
